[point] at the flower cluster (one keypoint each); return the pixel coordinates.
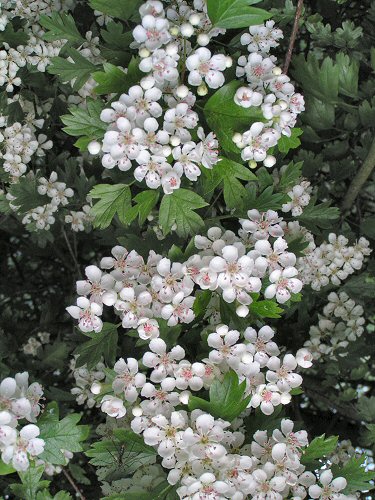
(85, 382)
(269, 90)
(332, 261)
(342, 322)
(140, 290)
(32, 345)
(19, 401)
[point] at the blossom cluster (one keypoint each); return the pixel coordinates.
(141, 136)
(234, 266)
(342, 322)
(20, 401)
(23, 143)
(332, 261)
(268, 89)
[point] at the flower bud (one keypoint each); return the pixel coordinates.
(182, 91)
(94, 147)
(143, 52)
(203, 39)
(187, 30)
(237, 138)
(269, 161)
(96, 388)
(202, 90)
(195, 19)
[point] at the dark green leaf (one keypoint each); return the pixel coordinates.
(112, 199)
(87, 123)
(225, 117)
(235, 13)
(121, 9)
(102, 344)
(60, 26)
(319, 447)
(79, 70)
(178, 208)
(60, 435)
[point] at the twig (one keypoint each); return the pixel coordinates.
(293, 36)
(73, 484)
(361, 177)
(70, 250)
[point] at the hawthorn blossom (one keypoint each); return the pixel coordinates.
(88, 315)
(203, 66)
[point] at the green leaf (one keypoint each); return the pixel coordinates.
(266, 309)
(60, 435)
(226, 398)
(256, 421)
(348, 74)
(202, 299)
(318, 448)
(102, 344)
(61, 495)
(267, 200)
(145, 202)
(368, 227)
(13, 38)
(116, 47)
(360, 287)
(121, 9)
(356, 474)
(26, 194)
(87, 123)
(79, 70)
(112, 199)
(290, 176)
(235, 13)
(321, 81)
(60, 26)
(114, 80)
(319, 216)
(366, 408)
(6, 469)
(178, 208)
(225, 117)
(124, 451)
(55, 355)
(285, 144)
(229, 173)
(31, 483)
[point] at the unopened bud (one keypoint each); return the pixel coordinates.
(143, 52)
(202, 90)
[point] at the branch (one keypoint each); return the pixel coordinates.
(361, 177)
(73, 484)
(293, 36)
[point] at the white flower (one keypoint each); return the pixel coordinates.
(246, 97)
(330, 487)
(283, 284)
(148, 328)
(114, 407)
(88, 315)
(152, 33)
(163, 363)
(179, 310)
(127, 379)
(205, 439)
(262, 225)
(203, 66)
(179, 119)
